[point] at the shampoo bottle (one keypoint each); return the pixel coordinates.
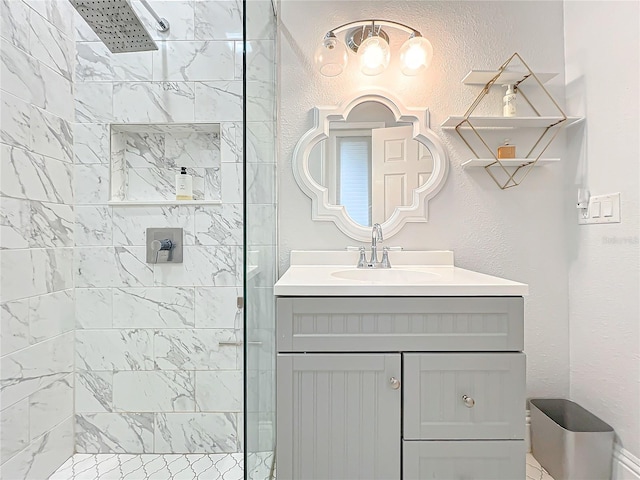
(184, 185)
(509, 102)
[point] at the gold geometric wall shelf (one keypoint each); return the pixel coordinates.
(511, 173)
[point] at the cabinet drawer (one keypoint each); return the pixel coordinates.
(361, 324)
(435, 385)
(480, 460)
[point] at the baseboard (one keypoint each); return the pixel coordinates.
(527, 431)
(625, 465)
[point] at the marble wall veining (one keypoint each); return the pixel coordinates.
(36, 237)
(159, 347)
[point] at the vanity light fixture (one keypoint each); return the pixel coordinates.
(368, 40)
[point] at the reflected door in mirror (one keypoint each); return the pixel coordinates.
(399, 165)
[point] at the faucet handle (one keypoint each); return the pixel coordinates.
(385, 263)
(362, 261)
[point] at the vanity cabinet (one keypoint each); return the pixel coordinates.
(400, 387)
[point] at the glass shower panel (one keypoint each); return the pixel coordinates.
(260, 236)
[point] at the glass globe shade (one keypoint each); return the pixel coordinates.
(415, 55)
(331, 57)
(374, 55)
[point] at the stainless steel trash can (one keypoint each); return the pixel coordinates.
(570, 442)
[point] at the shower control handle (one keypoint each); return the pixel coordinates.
(164, 244)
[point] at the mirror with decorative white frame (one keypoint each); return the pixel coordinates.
(370, 160)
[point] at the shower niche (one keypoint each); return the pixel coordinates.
(145, 158)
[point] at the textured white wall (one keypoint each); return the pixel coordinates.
(516, 233)
(602, 83)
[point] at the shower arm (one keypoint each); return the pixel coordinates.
(163, 23)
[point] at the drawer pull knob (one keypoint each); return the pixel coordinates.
(395, 383)
(468, 401)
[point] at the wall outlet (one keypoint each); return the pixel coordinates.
(601, 209)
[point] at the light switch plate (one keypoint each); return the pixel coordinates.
(602, 209)
(172, 256)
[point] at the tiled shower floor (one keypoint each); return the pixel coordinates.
(151, 467)
(186, 467)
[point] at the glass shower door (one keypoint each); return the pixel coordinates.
(260, 255)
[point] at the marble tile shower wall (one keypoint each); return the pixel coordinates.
(157, 368)
(36, 237)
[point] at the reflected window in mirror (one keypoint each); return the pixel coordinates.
(354, 177)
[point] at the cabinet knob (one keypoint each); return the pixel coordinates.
(395, 383)
(468, 401)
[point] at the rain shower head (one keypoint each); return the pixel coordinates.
(117, 24)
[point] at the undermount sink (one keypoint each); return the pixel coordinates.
(385, 275)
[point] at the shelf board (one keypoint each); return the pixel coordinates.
(507, 162)
(508, 122)
(482, 77)
(161, 203)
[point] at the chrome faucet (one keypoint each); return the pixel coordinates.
(376, 236)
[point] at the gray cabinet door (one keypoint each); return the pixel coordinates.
(484, 460)
(435, 386)
(338, 417)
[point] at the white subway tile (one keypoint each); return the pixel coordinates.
(156, 307)
(159, 102)
(50, 406)
(154, 391)
(219, 391)
(15, 428)
(94, 308)
(112, 267)
(43, 456)
(129, 433)
(196, 433)
(193, 61)
(114, 350)
(51, 315)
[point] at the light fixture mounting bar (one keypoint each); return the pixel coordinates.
(357, 35)
(375, 22)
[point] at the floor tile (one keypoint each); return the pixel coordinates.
(151, 467)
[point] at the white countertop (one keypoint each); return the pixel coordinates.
(429, 273)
